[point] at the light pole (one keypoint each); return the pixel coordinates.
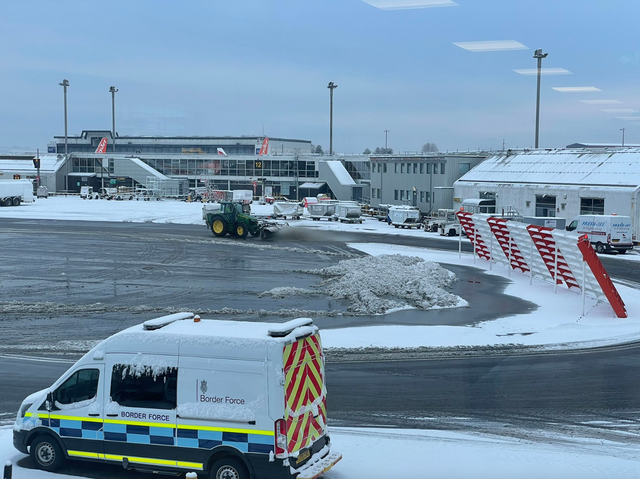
(539, 55)
(331, 87)
(297, 158)
(385, 141)
(113, 91)
(622, 130)
(65, 84)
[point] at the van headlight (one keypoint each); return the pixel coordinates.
(23, 409)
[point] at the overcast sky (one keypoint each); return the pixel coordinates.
(241, 67)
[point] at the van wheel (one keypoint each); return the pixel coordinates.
(46, 453)
(599, 248)
(228, 468)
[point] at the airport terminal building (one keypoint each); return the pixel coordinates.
(177, 164)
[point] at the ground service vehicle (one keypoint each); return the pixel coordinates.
(42, 192)
(324, 209)
(348, 212)
(243, 196)
(442, 217)
(290, 209)
(234, 399)
(404, 216)
(605, 232)
(230, 218)
(14, 192)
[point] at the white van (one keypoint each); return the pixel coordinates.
(606, 232)
(232, 399)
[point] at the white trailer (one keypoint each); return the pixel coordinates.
(349, 212)
(14, 192)
(282, 209)
(324, 209)
(404, 216)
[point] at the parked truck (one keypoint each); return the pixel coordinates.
(15, 192)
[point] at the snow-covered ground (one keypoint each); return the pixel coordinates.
(557, 322)
(417, 454)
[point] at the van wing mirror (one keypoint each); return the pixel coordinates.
(49, 402)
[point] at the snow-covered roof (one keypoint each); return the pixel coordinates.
(312, 186)
(228, 338)
(341, 173)
(620, 168)
(48, 164)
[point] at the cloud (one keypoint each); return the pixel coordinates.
(543, 71)
(576, 89)
(409, 4)
(491, 46)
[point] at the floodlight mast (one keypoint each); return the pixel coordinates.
(331, 87)
(539, 55)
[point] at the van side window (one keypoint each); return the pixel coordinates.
(132, 386)
(80, 386)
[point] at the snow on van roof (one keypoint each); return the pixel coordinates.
(210, 332)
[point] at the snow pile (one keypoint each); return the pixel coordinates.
(381, 284)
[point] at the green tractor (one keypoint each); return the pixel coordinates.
(231, 218)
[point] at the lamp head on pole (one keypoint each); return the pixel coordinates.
(113, 89)
(538, 54)
(64, 83)
(332, 85)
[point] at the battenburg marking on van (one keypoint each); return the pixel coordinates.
(245, 440)
(304, 378)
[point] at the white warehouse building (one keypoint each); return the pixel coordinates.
(558, 183)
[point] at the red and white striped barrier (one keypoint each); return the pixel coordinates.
(562, 257)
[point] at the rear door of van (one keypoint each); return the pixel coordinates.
(621, 231)
(305, 398)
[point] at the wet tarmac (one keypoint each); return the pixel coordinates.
(65, 282)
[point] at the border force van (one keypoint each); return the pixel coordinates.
(605, 232)
(233, 399)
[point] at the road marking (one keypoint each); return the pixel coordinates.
(37, 359)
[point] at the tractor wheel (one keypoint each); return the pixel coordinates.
(241, 231)
(219, 227)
